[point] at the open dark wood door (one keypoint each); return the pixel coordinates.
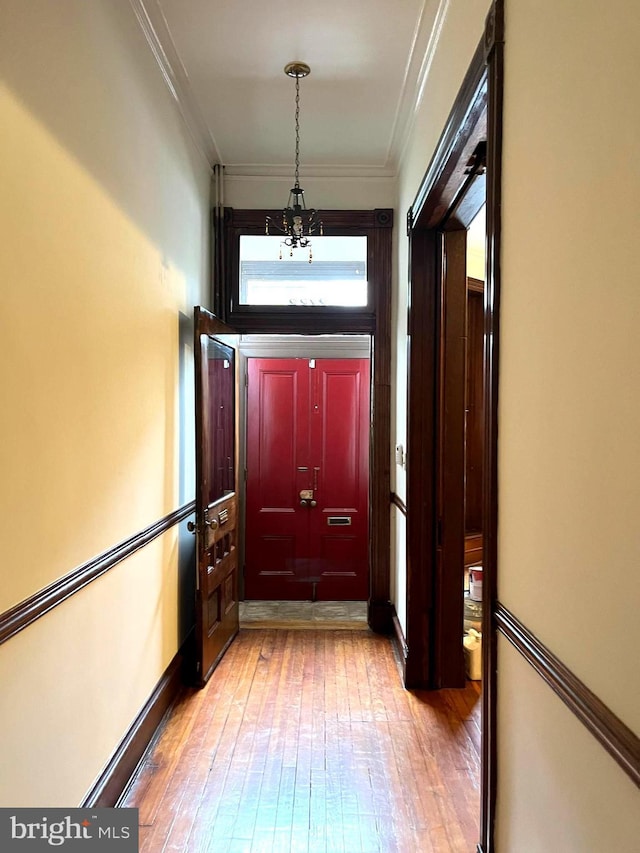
(216, 490)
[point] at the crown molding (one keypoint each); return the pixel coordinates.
(158, 36)
(423, 49)
(278, 172)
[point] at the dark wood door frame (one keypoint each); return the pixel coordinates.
(446, 652)
(437, 269)
(373, 319)
(473, 132)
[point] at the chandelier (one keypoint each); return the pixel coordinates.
(298, 224)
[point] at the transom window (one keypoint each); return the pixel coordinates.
(272, 274)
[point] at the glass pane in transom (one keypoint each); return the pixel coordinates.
(333, 273)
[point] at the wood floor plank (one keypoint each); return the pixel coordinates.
(306, 741)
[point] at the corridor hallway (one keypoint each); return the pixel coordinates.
(305, 740)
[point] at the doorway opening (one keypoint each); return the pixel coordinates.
(293, 311)
(305, 423)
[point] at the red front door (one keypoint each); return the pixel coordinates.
(307, 479)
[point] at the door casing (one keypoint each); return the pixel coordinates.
(373, 320)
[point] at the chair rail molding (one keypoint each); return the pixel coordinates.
(619, 741)
(26, 612)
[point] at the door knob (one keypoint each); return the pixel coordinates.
(313, 503)
(304, 502)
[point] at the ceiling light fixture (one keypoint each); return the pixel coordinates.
(298, 223)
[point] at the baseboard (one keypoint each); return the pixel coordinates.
(400, 645)
(397, 501)
(380, 616)
(124, 761)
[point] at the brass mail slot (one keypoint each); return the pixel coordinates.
(338, 520)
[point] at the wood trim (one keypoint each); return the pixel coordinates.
(494, 52)
(465, 129)
(114, 779)
(421, 438)
(473, 549)
(400, 643)
(447, 658)
(26, 612)
(397, 501)
(375, 320)
(251, 220)
(376, 224)
(381, 272)
(441, 189)
(475, 285)
(619, 741)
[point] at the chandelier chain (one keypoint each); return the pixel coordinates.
(298, 223)
(297, 172)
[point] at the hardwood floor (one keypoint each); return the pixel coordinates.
(307, 741)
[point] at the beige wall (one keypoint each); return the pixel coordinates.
(103, 215)
(332, 193)
(559, 791)
(569, 455)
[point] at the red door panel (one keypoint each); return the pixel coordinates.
(307, 429)
(340, 452)
(277, 445)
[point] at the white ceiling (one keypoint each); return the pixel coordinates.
(224, 61)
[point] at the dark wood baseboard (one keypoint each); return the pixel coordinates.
(397, 501)
(380, 616)
(123, 763)
(26, 612)
(619, 741)
(400, 644)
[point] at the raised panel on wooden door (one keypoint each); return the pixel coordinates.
(277, 451)
(221, 417)
(340, 448)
